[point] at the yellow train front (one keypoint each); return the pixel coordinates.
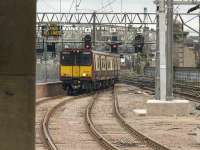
(84, 69)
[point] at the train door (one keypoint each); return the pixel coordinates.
(114, 66)
(103, 67)
(85, 64)
(118, 67)
(69, 67)
(97, 59)
(76, 67)
(66, 64)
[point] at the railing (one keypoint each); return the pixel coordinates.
(186, 80)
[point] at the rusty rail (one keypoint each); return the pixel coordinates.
(103, 141)
(141, 137)
(44, 129)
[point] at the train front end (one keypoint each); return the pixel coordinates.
(76, 69)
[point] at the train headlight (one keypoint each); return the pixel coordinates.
(84, 74)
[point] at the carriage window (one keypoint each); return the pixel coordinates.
(84, 59)
(67, 58)
(108, 65)
(102, 63)
(98, 63)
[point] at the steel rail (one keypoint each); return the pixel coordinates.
(44, 132)
(141, 137)
(48, 99)
(150, 86)
(103, 141)
(44, 129)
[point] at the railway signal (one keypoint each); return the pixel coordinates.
(139, 43)
(88, 41)
(114, 48)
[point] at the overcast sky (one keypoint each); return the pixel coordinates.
(91, 5)
(96, 5)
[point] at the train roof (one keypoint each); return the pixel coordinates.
(93, 51)
(105, 53)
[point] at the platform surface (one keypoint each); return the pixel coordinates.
(168, 108)
(140, 112)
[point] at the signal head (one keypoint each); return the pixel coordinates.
(88, 38)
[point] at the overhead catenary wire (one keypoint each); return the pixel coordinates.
(107, 4)
(71, 5)
(47, 4)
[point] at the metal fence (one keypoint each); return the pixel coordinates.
(180, 74)
(186, 80)
(47, 70)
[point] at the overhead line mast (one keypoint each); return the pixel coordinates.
(182, 2)
(165, 91)
(186, 2)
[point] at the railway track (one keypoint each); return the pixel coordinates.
(92, 129)
(141, 137)
(139, 141)
(39, 102)
(147, 83)
(48, 141)
(42, 107)
(138, 138)
(44, 133)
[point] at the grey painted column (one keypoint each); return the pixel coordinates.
(162, 48)
(94, 29)
(198, 58)
(157, 71)
(169, 50)
(17, 74)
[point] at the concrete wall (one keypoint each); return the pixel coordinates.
(49, 89)
(189, 57)
(184, 56)
(17, 74)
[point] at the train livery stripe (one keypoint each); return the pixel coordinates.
(76, 71)
(86, 71)
(66, 71)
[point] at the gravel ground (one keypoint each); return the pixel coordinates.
(69, 131)
(41, 109)
(177, 133)
(107, 124)
(68, 128)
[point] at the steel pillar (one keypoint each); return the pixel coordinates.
(198, 59)
(17, 74)
(162, 48)
(169, 51)
(157, 71)
(94, 29)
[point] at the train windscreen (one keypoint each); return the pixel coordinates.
(76, 58)
(84, 59)
(67, 59)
